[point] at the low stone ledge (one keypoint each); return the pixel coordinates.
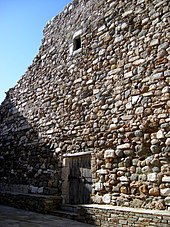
(32, 202)
(127, 209)
(107, 215)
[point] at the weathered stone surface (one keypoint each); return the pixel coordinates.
(98, 186)
(167, 201)
(110, 97)
(124, 146)
(165, 191)
(107, 198)
(166, 179)
(154, 191)
(152, 177)
(167, 142)
(109, 154)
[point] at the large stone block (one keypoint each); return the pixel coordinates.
(152, 177)
(165, 191)
(109, 153)
(166, 179)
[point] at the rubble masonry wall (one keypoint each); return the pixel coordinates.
(109, 94)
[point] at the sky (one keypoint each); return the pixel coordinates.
(21, 32)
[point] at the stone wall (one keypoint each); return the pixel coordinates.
(32, 202)
(106, 216)
(100, 82)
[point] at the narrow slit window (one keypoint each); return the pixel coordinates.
(77, 43)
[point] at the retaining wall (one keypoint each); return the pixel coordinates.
(109, 216)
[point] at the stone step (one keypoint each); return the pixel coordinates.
(65, 214)
(69, 208)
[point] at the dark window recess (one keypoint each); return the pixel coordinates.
(77, 43)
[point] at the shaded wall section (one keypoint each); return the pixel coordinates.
(28, 165)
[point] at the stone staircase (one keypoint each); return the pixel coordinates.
(67, 211)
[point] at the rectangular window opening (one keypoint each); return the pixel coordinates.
(76, 43)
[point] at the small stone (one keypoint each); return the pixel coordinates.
(123, 178)
(124, 26)
(165, 89)
(161, 53)
(108, 165)
(149, 160)
(97, 199)
(138, 133)
(98, 186)
(115, 120)
(142, 177)
(118, 39)
(127, 13)
(158, 205)
(127, 162)
(106, 198)
(124, 190)
(134, 161)
(109, 153)
(143, 189)
(104, 107)
(155, 162)
(154, 141)
(155, 149)
(128, 152)
(102, 171)
(160, 135)
(40, 190)
(113, 176)
(167, 201)
(132, 169)
(154, 42)
(138, 170)
(145, 169)
(152, 177)
(145, 21)
(136, 203)
(135, 99)
(124, 146)
(162, 46)
(166, 179)
(139, 61)
(129, 106)
(156, 169)
(113, 127)
(120, 173)
(168, 103)
(139, 110)
(167, 142)
(119, 152)
(139, 149)
(154, 191)
(33, 189)
(128, 74)
(165, 191)
(161, 116)
(134, 177)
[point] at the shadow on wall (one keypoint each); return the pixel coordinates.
(26, 163)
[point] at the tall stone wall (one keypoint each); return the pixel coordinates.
(100, 82)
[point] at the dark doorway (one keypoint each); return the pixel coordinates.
(80, 179)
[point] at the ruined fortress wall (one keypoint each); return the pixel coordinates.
(108, 95)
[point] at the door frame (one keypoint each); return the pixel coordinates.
(66, 172)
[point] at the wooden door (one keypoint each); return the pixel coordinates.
(80, 179)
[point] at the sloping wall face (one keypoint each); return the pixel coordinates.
(99, 83)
